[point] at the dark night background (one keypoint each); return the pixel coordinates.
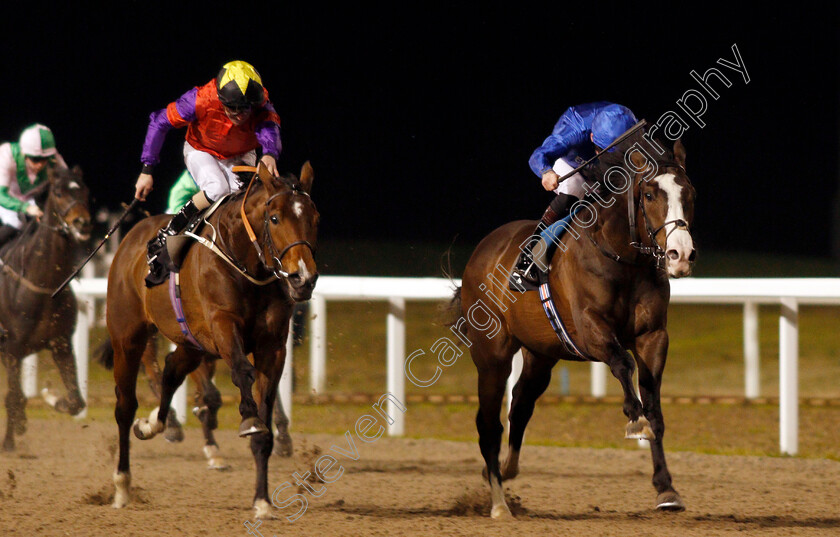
(419, 121)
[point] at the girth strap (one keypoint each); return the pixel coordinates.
(178, 307)
(556, 323)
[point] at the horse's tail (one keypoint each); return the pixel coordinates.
(451, 312)
(104, 354)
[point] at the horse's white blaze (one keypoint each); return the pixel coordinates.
(73, 185)
(304, 273)
(298, 209)
(679, 239)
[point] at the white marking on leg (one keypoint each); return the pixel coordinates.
(49, 397)
(122, 484)
(262, 510)
(214, 458)
(150, 427)
(497, 494)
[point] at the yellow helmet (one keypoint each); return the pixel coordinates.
(239, 85)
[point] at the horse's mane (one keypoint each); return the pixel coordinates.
(286, 178)
(595, 172)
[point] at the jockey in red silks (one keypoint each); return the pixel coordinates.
(227, 120)
(579, 133)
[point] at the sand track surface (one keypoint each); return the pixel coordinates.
(58, 482)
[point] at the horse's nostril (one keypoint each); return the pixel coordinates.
(672, 254)
(295, 278)
(692, 256)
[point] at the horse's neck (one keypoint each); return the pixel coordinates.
(45, 256)
(234, 237)
(612, 229)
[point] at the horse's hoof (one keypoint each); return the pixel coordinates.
(214, 460)
(510, 472)
(639, 429)
(251, 426)
(501, 512)
(173, 435)
(65, 406)
(262, 510)
(20, 426)
(670, 501)
(283, 445)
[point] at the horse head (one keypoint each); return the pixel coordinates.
(67, 202)
(665, 209)
(289, 229)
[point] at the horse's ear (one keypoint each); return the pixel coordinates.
(679, 152)
(306, 176)
(638, 160)
(265, 177)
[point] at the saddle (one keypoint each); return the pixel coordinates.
(176, 247)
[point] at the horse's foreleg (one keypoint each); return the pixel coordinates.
(269, 366)
(282, 438)
(651, 351)
(208, 401)
(535, 378)
(62, 353)
(242, 373)
(179, 364)
(622, 366)
(15, 402)
(492, 376)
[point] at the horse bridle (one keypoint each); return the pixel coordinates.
(276, 256)
(654, 250)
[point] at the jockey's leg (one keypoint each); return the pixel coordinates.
(558, 209)
(215, 179)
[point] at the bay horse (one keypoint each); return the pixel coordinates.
(611, 291)
(32, 266)
(237, 294)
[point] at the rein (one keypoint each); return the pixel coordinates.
(276, 269)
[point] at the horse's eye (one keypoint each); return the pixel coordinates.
(648, 196)
(58, 194)
(274, 219)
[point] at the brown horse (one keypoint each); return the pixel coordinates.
(32, 266)
(238, 294)
(611, 291)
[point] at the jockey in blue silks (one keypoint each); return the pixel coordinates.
(579, 133)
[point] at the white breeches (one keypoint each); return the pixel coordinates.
(572, 186)
(214, 176)
(12, 218)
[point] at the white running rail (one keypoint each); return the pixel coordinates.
(790, 293)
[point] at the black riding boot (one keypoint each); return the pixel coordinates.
(156, 248)
(526, 270)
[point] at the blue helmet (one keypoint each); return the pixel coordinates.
(610, 123)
